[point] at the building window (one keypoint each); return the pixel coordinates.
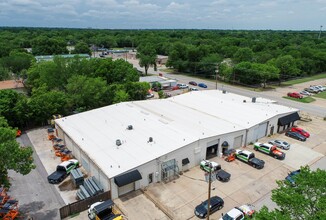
(150, 178)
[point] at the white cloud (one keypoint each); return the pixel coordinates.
(176, 6)
(219, 2)
(268, 4)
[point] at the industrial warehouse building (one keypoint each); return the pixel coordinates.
(130, 145)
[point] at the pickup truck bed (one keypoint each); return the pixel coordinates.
(57, 177)
(223, 175)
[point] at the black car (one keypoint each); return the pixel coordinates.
(193, 83)
(295, 135)
(291, 177)
(216, 203)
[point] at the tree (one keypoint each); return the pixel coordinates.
(304, 201)
(45, 103)
(12, 156)
(120, 96)
(225, 71)
(287, 66)
(86, 92)
(243, 55)
(8, 101)
(265, 214)
(4, 73)
(137, 90)
(82, 47)
(265, 72)
(178, 57)
(43, 45)
(52, 73)
(209, 64)
(147, 56)
(18, 61)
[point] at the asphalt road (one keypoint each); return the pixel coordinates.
(305, 107)
(37, 198)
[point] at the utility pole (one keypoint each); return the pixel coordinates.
(321, 26)
(209, 191)
(216, 71)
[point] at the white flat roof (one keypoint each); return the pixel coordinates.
(172, 123)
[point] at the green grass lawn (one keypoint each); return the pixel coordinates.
(304, 100)
(302, 80)
(167, 70)
(321, 95)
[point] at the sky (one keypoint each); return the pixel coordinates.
(166, 14)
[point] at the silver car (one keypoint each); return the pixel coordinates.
(280, 144)
(305, 93)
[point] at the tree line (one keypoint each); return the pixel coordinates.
(247, 57)
(67, 86)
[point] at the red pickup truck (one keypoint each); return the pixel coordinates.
(295, 95)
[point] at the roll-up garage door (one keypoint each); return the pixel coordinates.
(262, 129)
(126, 188)
(126, 181)
(237, 141)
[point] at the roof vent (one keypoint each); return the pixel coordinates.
(129, 127)
(150, 139)
(118, 142)
(224, 91)
(253, 99)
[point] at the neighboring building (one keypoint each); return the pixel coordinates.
(130, 145)
(165, 82)
(12, 84)
(161, 60)
(50, 57)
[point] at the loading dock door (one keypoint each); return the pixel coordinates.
(262, 129)
(237, 142)
(126, 188)
(126, 181)
(211, 151)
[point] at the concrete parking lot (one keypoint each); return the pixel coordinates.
(45, 152)
(177, 199)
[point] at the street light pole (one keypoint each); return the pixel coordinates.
(209, 191)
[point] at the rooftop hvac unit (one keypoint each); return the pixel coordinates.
(253, 99)
(118, 142)
(150, 139)
(129, 127)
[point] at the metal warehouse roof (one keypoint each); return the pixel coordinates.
(172, 123)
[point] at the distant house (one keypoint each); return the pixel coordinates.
(161, 60)
(11, 84)
(50, 57)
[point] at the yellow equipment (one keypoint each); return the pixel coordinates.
(54, 117)
(104, 210)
